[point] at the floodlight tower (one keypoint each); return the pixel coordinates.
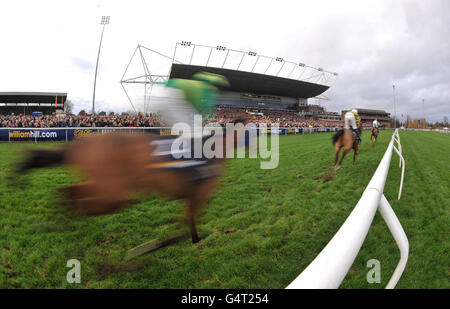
(423, 113)
(395, 114)
(104, 22)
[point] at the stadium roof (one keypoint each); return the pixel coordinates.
(371, 111)
(32, 97)
(242, 81)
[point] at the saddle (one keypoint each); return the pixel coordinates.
(182, 160)
(357, 138)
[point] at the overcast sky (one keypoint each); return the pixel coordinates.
(51, 46)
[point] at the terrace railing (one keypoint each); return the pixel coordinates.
(66, 134)
(330, 267)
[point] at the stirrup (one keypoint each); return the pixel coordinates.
(358, 137)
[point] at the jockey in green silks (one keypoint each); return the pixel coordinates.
(182, 99)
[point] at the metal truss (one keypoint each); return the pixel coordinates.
(292, 70)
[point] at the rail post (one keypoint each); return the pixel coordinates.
(330, 267)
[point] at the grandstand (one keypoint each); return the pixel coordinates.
(253, 90)
(369, 115)
(329, 116)
(257, 82)
(28, 102)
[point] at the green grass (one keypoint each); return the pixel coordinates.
(263, 227)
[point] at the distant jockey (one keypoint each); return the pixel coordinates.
(375, 124)
(182, 99)
(351, 121)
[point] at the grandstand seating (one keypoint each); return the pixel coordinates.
(223, 115)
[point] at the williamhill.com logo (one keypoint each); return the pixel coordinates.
(32, 134)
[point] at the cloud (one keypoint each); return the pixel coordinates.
(371, 44)
(83, 65)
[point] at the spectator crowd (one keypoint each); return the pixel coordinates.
(282, 118)
(222, 116)
(52, 121)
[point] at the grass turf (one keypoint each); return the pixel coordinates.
(263, 227)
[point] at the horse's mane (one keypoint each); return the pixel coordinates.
(337, 135)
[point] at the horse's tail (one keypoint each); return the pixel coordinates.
(41, 158)
(336, 136)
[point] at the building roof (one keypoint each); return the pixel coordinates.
(372, 111)
(242, 81)
(32, 97)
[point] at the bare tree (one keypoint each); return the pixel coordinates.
(131, 112)
(68, 107)
(408, 120)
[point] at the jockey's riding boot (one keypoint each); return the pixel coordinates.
(357, 135)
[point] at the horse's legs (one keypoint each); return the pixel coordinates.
(193, 230)
(150, 246)
(355, 149)
(192, 206)
(81, 190)
(343, 155)
(336, 157)
(94, 206)
(336, 167)
(195, 202)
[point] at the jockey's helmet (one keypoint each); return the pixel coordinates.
(211, 78)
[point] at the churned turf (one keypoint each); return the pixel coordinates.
(263, 227)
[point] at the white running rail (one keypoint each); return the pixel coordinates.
(330, 267)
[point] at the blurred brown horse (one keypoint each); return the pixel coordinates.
(118, 165)
(345, 138)
(373, 136)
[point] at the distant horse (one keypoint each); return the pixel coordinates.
(347, 139)
(373, 136)
(118, 165)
